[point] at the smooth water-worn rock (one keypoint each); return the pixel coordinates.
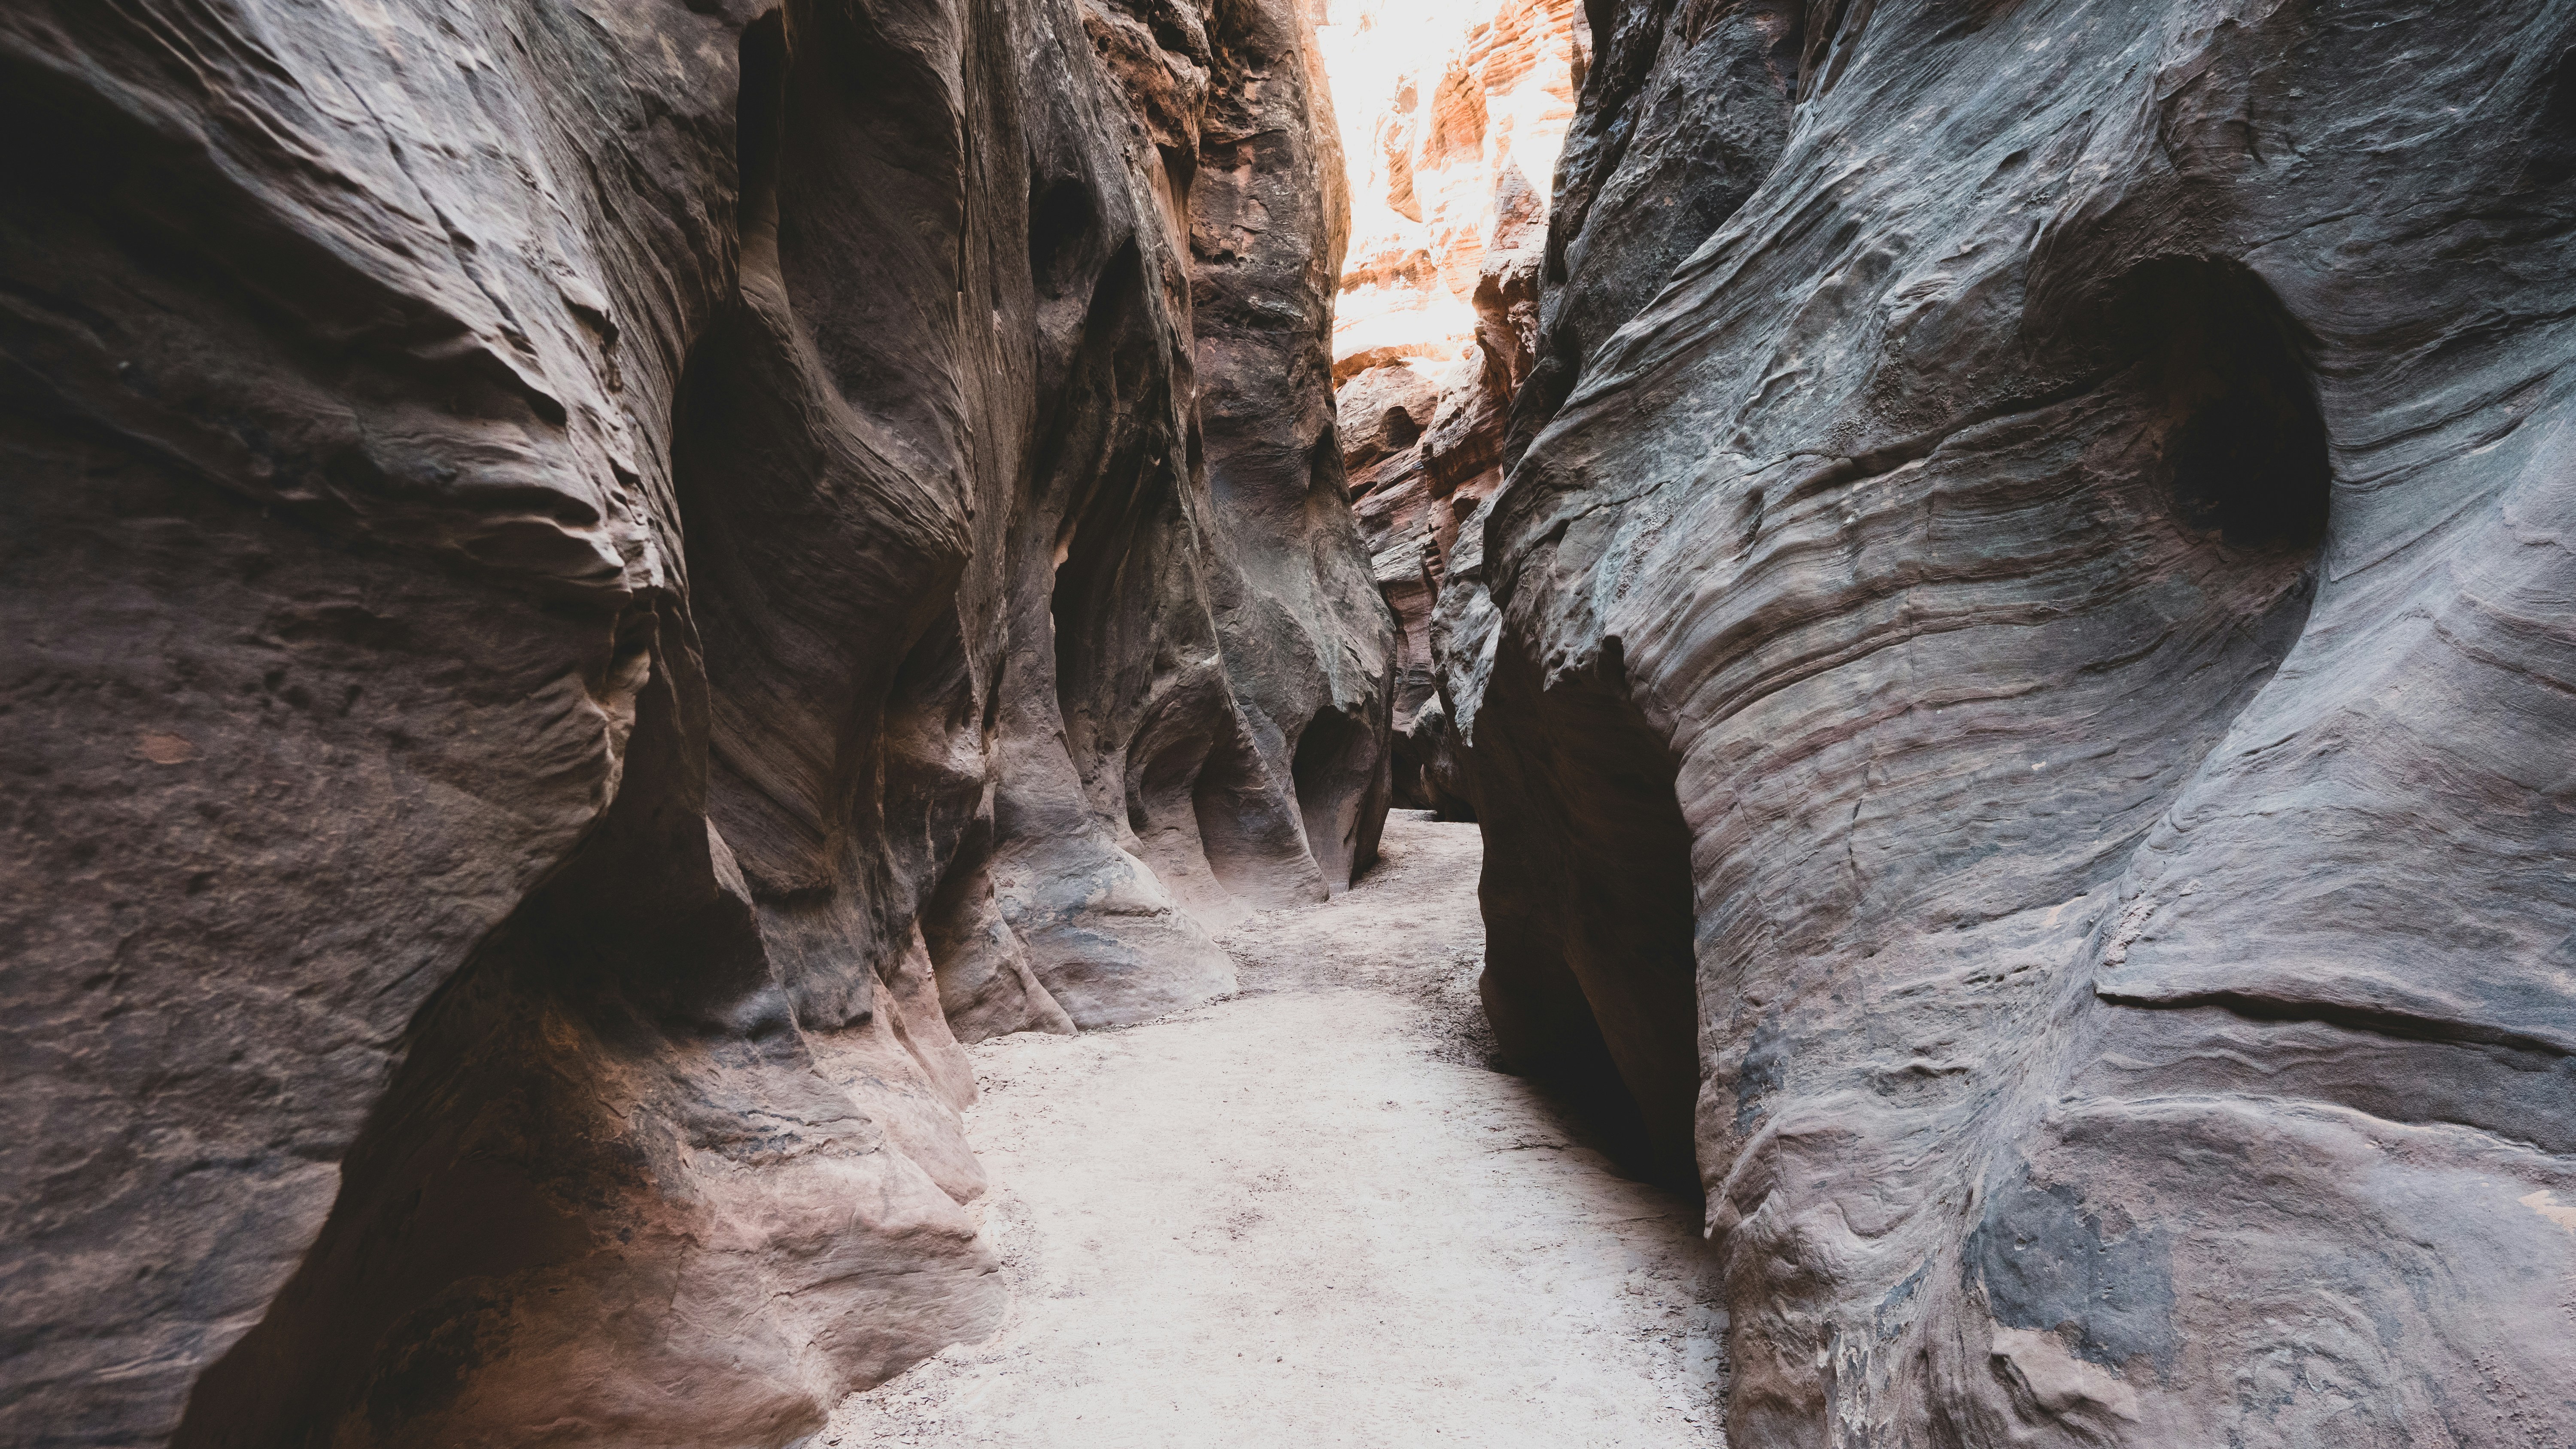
(2020, 690)
(588, 586)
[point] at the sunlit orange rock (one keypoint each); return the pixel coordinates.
(1452, 114)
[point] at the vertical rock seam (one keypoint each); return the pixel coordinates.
(590, 589)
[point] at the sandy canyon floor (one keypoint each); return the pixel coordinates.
(1312, 1215)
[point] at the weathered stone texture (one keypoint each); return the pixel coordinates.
(1453, 113)
(587, 587)
(2036, 601)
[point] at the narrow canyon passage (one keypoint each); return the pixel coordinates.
(681, 683)
(1312, 1215)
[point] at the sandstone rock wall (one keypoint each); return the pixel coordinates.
(2019, 692)
(589, 587)
(1452, 115)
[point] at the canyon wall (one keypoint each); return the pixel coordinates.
(2019, 691)
(590, 587)
(1452, 114)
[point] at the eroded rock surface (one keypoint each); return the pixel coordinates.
(1452, 115)
(2019, 696)
(588, 587)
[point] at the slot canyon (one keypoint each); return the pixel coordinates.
(1793, 724)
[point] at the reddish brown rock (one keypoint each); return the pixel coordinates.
(1453, 114)
(588, 585)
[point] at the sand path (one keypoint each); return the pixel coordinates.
(1310, 1215)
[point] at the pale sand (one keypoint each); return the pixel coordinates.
(1311, 1215)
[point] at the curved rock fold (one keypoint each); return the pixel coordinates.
(592, 587)
(2053, 556)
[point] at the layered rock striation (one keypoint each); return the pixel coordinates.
(589, 588)
(2018, 693)
(1452, 115)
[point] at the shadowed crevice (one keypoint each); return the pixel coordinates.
(1589, 968)
(2245, 452)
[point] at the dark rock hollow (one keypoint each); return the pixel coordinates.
(589, 587)
(2020, 691)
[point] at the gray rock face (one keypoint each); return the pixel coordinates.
(2019, 696)
(588, 587)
